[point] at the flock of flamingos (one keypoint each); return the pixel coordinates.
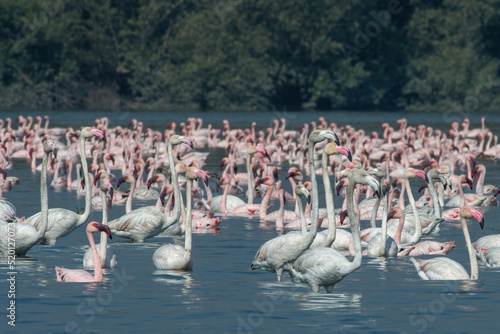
(371, 171)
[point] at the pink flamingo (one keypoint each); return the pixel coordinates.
(79, 275)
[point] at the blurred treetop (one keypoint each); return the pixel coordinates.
(249, 54)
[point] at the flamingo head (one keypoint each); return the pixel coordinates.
(195, 173)
(422, 187)
(177, 140)
(152, 180)
(497, 192)
(343, 216)
(94, 227)
(50, 146)
(395, 213)
(468, 212)
(412, 172)
(267, 180)
(3, 173)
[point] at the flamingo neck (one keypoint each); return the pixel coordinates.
(418, 224)
(353, 219)
(44, 198)
(265, 202)
(281, 212)
(435, 199)
(223, 201)
(104, 237)
(128, 204)
(88, 186)
(474, 270)
(480, 183)
(399, 231)
(330, 208)
(177, 193)
(188, 241)
(250, 180)
(96, 258)
(314, 198)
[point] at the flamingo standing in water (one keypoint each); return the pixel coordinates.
(79, 275)
(61, 221)
(106, 252)
(443, 268)
(146, 223)
(28, 235)
(325, 266)
(174, 256)
(276, 253)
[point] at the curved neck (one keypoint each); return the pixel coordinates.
(44, 198)
(373, 219)
(265, 202)
(303, 223)
(250, 180)
(474, 270)
(356, 263)
(223, 201)
(330, 206)
(97, 260)
(88, 186)
(188, 243)
(480, 183)
(104, 237)
(418, 224)
(435, 199)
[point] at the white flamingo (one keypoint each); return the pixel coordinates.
(175, 256)
(276, 253)
(443, 268)
(144, 223)
(28, 235)
(61, 221)
(325, 266)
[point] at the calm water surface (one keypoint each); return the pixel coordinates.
(221, 294)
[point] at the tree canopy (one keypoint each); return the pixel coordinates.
(249, 54)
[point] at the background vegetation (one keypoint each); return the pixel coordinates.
(249, 54)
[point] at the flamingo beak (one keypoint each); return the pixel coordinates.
(111, 192)
(135, 174)
(343, 215)
(162, 196)
(390, 215)
(4, 173)
(479, 217)
(97, 177)
(423, 186)
(291, 174)
(497, 192)
(151, 181)
(338, 187)
(105, 229)
(120, 181)
(54, 151)
(469, 182)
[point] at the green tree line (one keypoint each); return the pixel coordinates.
(249, 54)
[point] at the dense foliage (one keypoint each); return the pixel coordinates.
(249, 54)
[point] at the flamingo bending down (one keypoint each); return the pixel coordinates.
(79, 275)
(325, 266)
(177, 257)
(443, 268)
(106, 252)
(62, 222)
(276, 253)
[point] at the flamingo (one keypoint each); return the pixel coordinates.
(106, 252)
(144, 223)
(28, 235)
(325, 266)
(443, 268)
(62, 222)
(174, 256)
(79, 275)
(275, 253)
(251, 150)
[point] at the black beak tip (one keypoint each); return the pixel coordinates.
(481, 223)
(349, 156)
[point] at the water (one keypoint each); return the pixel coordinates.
(221, 294)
